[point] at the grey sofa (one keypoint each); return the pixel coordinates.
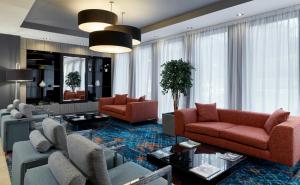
(88, 158)
(14, 130)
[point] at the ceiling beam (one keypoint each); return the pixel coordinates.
(220, 5)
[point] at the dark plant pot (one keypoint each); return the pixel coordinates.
(168, 123)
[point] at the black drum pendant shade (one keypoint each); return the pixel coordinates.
(133, 31)
(91, 20)
(110, 41)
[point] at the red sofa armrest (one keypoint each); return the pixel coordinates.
(105, 101)
(183, 117)
(284, 142)
(141, 111)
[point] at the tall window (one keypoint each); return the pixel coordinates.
(142, 67)
(121, 74)
(271, 67)
(209, 57)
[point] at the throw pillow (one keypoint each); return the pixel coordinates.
(142, 98)
(120, 99)
(10, 107)
(207, 112)
(16, 114)
(276, 118)
(64, 171)
(16, 103)
(26, 110)
(38, 141)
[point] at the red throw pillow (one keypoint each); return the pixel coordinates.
(207, 112)
(276, 118)
(120, 99)
(142, 98)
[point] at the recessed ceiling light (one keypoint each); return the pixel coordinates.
(239, 14)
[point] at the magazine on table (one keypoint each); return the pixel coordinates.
(165, 152)
(230, 156)
(205, 170)
(189, 144)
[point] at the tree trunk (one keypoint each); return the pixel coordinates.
(176, 97)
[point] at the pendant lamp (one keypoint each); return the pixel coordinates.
(110, 41)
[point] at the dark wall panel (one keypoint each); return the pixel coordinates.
(9, 56)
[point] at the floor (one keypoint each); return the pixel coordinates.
(4, 175)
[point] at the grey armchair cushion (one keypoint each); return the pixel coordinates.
(40, 176)
(38, 141)
(55, 133)
(89, 158)
(26, 110)
(16, 103)
(10, 107)
(63, 170)
(16, 114)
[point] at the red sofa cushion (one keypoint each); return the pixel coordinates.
(208, 128)
(132, 100)
(251, 136)
(120, 99)
(120, 109)
(207, 112)
(276, 118)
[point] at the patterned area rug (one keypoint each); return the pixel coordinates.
(147, 137)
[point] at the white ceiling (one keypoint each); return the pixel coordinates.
(13, 13)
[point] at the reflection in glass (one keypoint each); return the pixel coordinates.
(74, 78)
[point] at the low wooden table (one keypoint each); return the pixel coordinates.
(183, 159)
(85, 120)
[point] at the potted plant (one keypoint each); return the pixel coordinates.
(176, 78)
(73, 80)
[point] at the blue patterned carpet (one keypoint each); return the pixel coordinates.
(144, 138)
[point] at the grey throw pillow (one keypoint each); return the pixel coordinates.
(63, 170)
(89, 158)
(25, 109)
(16, 103)
(38, 141)
(10, 107)
(55, 133)
(16, 114)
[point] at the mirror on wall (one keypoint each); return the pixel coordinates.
(74, 69)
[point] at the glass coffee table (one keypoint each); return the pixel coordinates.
(184, 159)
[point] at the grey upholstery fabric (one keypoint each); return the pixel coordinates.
(130, 171)
(40, 176)
(16, 103)
(16, 114)
(111, 160)
(26, 110)
(89, 158)
(63, 170)
(10, 107)
(38, 141)
(56, 134)
(24, 157)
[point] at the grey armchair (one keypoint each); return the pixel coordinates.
(89, 159)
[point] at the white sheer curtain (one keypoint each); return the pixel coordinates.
(121, 74)
(170, 49)
(142, 71)
(209, 51)
(72, 64)
(271, 67)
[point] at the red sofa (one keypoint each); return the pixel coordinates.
(133, 111)
(244, 132)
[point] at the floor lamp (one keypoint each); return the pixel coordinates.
(18, 75)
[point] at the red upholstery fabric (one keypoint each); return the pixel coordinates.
(120, 99)
(276, 118)
(120, 109)
(131, 100)
(208, 128)
(182, 118)
(142, 98)
(207, 112)
(252, 136)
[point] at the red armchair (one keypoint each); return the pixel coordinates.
(133, 111)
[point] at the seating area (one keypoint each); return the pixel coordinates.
(140, 92)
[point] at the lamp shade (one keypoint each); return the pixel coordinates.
(20, 75)
(110, 42)
(91, 20)
(133, 31)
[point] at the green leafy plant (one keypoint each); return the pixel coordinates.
(176, 77)
(73, 80)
